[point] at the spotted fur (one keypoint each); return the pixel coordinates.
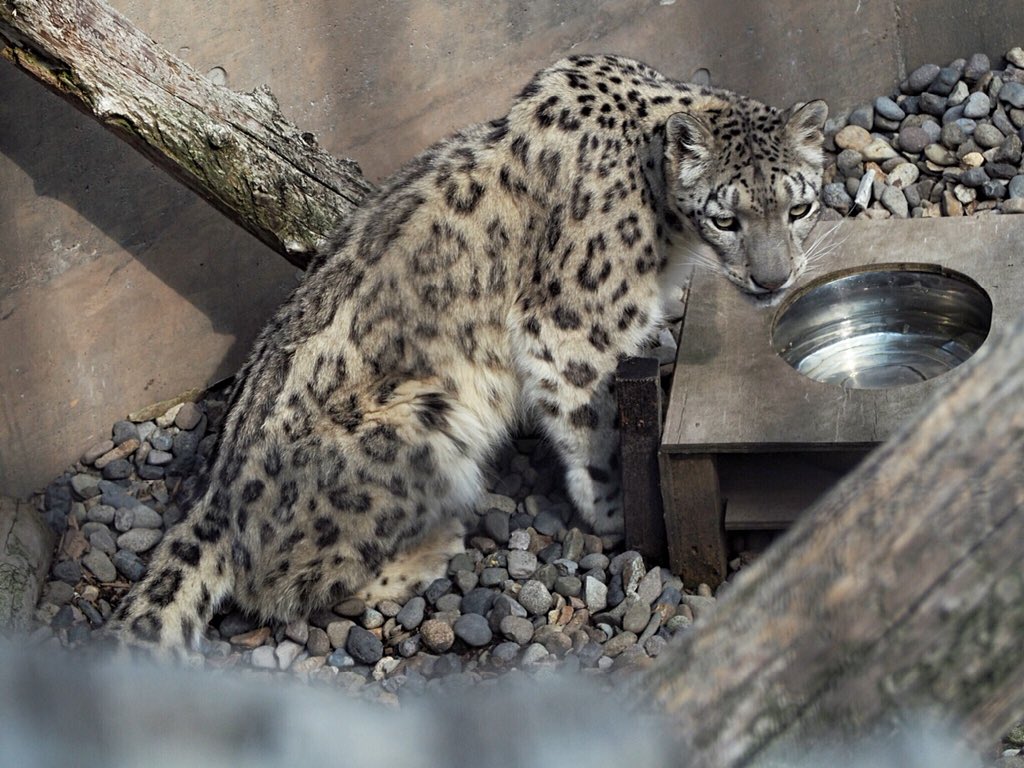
(503, 273)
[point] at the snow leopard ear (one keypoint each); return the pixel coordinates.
(689, 143)
(805, 126)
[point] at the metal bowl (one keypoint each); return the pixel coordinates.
(883, 326)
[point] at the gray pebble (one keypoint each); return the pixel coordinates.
(437, 588)
(411, 614)
(1001, 170)
(472, 629)
(128, 565)
(988, 136)
(118, 469)
(572, 544)
(863, 116)
(478, 600)
(101, 513)
(487, 501)
(518, 540)
(568, 586)
(286, 653)
(535, 597)
(145, 429)
(977, 105)
(973, 177)
(124, 519)
(188, 416)
(594, 560)
(895, 202)
(149, 472)
(95, 617)
(139, 540)
(1009, 151)
(945, 81)
(495, 525)
(449, 603)
(521, 564)
(99, 564)
(185, 444)
(548, 522)
(146, 517)
(888, 108)
(410, 646)
(595, 594)
(834, 196)
(319, 644)
(103, 540)
(952, 136)
(994, 189)
(517, 629)
(341, 659)
(159, 458)
(85, 486)
(161, 440)
(534, 654)
(636, 616)
(68, 571)
(493, 577)
(372, 618)
(1016, 187)
(115, 496)
(937, 106)
(364, 646)
(850, 163)
(1012, 93)
(699, 605)
(977, 65)
(921, 78)
(263, 657)
(590, 653)
(466, 580)
(503, 654)
(124, 430)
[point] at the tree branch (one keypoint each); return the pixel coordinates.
(235, 150)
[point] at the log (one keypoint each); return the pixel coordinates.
(236, 150)
(900, 592)
(26, 547)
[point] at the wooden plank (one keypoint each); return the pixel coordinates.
(638, 391)
(694, 519)
(733, 393)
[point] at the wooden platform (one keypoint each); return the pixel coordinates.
(748, 442)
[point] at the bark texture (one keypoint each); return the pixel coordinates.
(235, 149)
(26, 548)
(900, 592)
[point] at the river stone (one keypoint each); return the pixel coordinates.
(1013, 94)
(522, 564)
(139, 540)
(903, 175)
(364, 646)
(913, 139)
(853, 137)
(438, 636)
(888, 108)
(534, 597)
(895, 202)
(411, 614)
(128, 564)
(99, 564)
(977, 66)
(473, 630)
(977, 105)
(988, 136)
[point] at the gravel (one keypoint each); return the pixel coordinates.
(939, 146)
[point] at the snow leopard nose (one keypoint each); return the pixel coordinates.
(770, 282)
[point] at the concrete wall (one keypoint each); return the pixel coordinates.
(118, 288)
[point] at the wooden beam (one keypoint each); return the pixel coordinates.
(638, 391)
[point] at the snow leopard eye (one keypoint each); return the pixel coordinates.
(725, 223)
(799, 211)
